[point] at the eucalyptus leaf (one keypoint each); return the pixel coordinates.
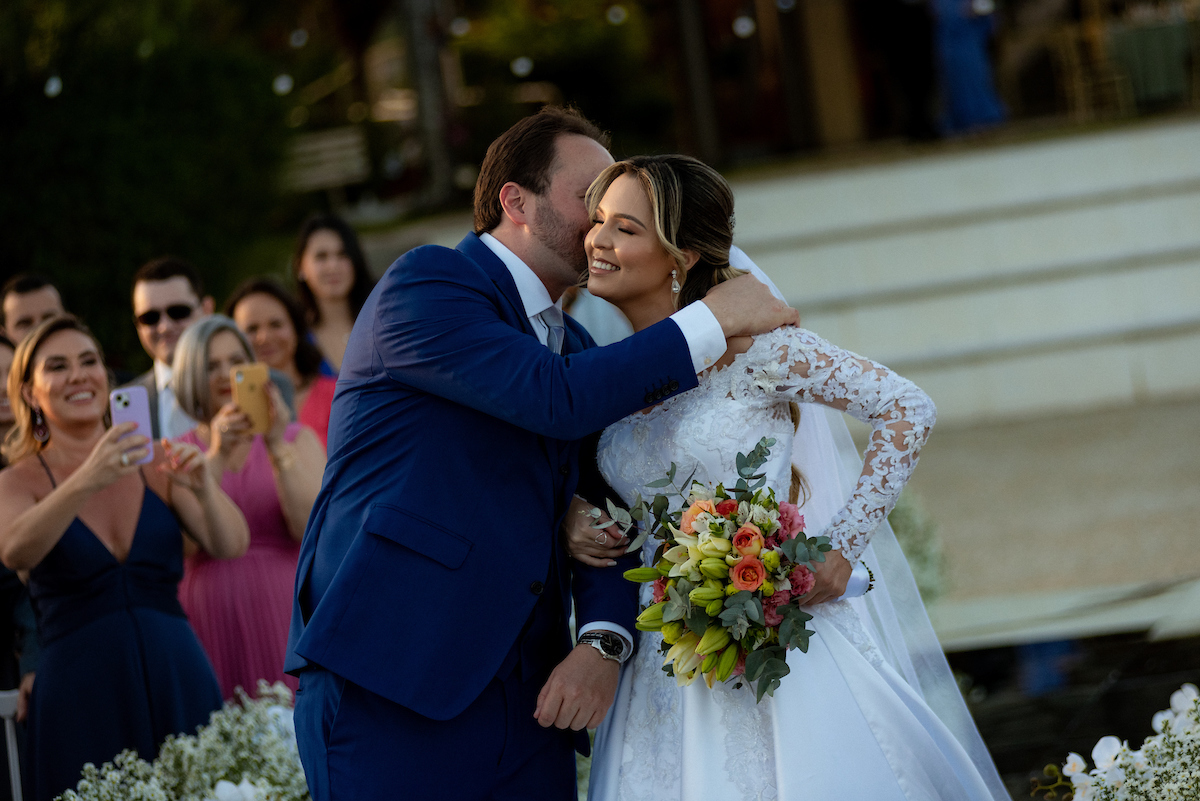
(637, 542)
(697, 620)
(755, 662)
(661, 482)
(754, 611)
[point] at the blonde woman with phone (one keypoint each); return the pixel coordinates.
(271, 468)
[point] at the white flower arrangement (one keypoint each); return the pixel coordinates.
(247, 752)
(1165, 768)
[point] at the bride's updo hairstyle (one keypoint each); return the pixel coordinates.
(693, 210)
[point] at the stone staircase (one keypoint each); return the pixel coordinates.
(1008, 281)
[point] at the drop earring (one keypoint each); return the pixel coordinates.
(674, 283)
(40, 432)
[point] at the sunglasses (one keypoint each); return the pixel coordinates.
(176, 311)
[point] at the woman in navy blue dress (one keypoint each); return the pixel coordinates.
(99, 537)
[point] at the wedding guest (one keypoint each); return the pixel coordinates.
(275, 325)
(962, 37)
(241, 608)
(168, 296)
(333, 283)
(28, 299)
(101, 537)
(18, 627)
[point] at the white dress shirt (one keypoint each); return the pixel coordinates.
(173, 421)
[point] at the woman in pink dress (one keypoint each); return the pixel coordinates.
(274, 322)
(241, 608)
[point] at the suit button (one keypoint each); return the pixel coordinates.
(565, 470)
(537, 587)
(673, 386)
(649, 397)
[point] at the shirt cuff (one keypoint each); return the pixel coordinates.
(705, 339)
(620, 631)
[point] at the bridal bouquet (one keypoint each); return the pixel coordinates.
(727, 577)
(1165, 768)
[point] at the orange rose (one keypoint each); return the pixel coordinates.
(689, 517)
(727, 507)
(748, 574)
(749, 540)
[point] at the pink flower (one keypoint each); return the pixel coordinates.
(660, 589)
(740, 667)
(802, 580)
(791, 522)
(771, 607)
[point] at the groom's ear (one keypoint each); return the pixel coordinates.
(515, 201)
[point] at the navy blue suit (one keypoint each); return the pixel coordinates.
(431, 571)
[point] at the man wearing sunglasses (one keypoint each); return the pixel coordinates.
(168, 296)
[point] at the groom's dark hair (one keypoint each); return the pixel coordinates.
(524, 154)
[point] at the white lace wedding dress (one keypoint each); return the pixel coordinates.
(844, 724)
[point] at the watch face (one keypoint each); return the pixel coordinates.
(610, 644)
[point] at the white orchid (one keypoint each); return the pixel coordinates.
(1184, 698)
(1165, 768)
(1106, 751)
(1075, 764)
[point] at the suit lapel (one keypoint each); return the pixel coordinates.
(481, 254)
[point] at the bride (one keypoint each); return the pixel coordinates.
(871, 711)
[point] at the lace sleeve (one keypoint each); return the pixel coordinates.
(797, 365)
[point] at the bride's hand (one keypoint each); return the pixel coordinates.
(831, 575)
(591, 546)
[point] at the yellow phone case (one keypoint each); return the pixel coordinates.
(250, 394)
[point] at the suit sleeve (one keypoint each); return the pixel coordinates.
(438, 328)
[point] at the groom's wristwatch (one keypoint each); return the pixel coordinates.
(611, 646)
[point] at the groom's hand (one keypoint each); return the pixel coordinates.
(579, 691)
(745, 307)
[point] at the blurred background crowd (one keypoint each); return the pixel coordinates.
(998, 198)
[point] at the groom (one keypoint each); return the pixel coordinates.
(429, 629)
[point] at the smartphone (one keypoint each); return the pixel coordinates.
(250, 394)
(132, 405)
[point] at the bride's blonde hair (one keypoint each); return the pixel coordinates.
(692, 207)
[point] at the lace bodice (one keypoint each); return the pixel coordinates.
(732, 408)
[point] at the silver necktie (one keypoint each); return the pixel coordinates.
(553, 318)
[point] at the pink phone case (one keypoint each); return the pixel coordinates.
(132, 405)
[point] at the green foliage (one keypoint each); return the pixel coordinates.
(607, 70)
(767, 666)
(166, 138)
(922, 545)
